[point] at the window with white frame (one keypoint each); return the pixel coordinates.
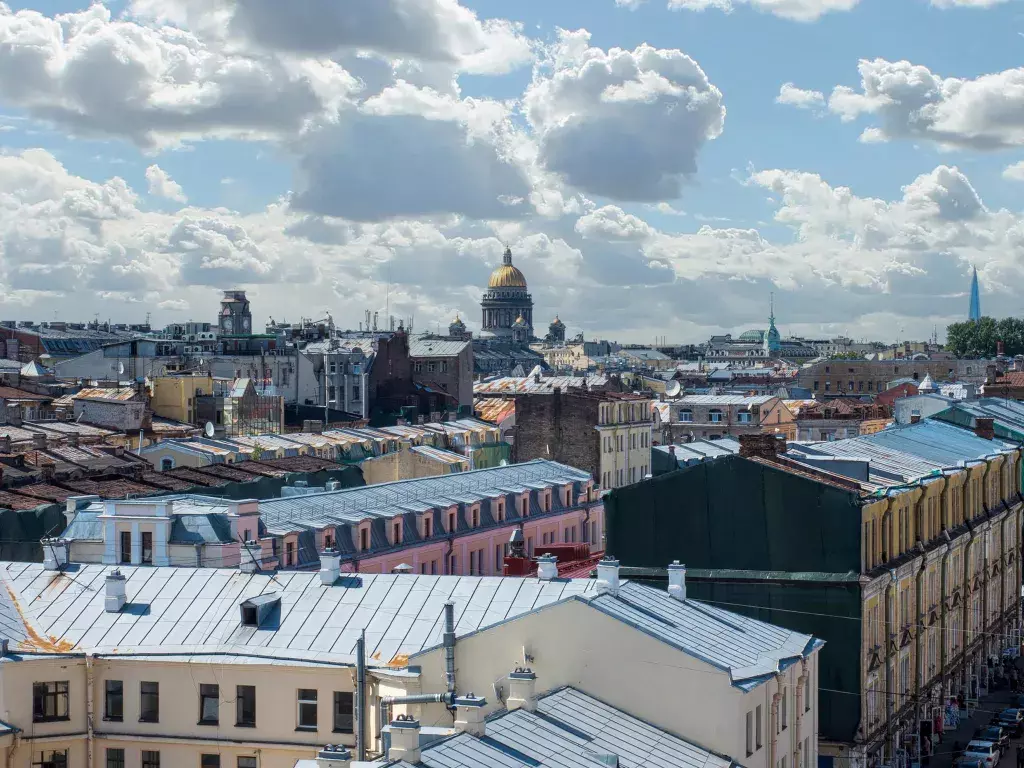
(306, 715)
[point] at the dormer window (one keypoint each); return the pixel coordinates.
(547, 501)
(328, 540)
(396, 532)
(364, 538)
(451, 522)
(428, 525)
(526, 507)
(568, 496)
(500, 511)
(475, 517)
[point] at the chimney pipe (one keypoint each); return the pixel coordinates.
(469, 714)
(116, 594)
(39, 441)
(73, 440)
(250, 557)
(522, 690)
(677, 581)
(405, 739)
(55, 554)
(608, 575)
(5, 444)
(330, 566)
(333, 756)
(547, 567)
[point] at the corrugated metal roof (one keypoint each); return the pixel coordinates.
(439, 454)
(436, 347)
(701, 450)
(494, 409)
(529, 384)
(569, 730)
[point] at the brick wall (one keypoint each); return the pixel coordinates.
(128, 415)
(560, 427)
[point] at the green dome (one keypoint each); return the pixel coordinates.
(752, 337)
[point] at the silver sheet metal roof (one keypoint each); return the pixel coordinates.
(701, 450)
(724, 399)
(569, 730)
(906, 453)
(195, 611)
(419, 494)
(436, 347)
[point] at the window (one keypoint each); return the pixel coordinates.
(444, 366)
(418, 367)
(526, 507)
(499, 558)
(166, 463)
(113, 708)
(431, 367)
(115, 758)
(150, 758)
(750, 733)
(715, 416)
(364, 539)
(246, 761)
(51, 759)
(453, 565)
(147, 547)
(289, 553)
(744, 418)
(49, 701)
(344, 711)
(209, 704)
(475, 516)
(758, 735)
(149, 704)
(501, 511)
(428, 523)
(126, 546)
(245, 706)
(396, 532)
(328, 540)
(451, 522)
(355, 391)
(815, 386)
(213, 761)
(307, 708)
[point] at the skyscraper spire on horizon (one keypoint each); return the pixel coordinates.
(974, 314)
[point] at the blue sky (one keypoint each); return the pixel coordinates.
(291, 210)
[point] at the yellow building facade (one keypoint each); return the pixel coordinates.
(174, 397)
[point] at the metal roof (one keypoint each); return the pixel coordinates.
(529, 384)
(436, 347)
(418, 494)
(701, 450)
(569, 730)
(724, 399)
(439, 454)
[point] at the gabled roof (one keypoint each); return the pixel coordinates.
(570, 729)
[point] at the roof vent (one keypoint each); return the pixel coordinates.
(608, 575)
(405, 739)
(116, 594)
(55, 554)
(522, 690)
(330, 566)
(256, 611)
(469, 714)
(605, 758)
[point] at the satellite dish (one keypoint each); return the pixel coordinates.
(208, 429)
(673, 388)
(201, 362)
(503, 463)
(120, 369)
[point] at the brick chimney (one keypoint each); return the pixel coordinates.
(763, 445)
(985, 428)
(39, 441)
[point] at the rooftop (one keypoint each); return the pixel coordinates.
(725, 399)
(195, 611)
(570, 729)
(436, 347)
(531, 384)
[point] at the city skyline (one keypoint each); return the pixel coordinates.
(383, 168)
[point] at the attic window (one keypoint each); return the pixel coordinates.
(257, 610)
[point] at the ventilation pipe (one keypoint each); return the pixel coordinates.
(330, 566)
(361, 697)
(469, 714)
(677, 581)
(116, 594)
(608, 575)
(333, 756)
(55, 554)
(449, 649)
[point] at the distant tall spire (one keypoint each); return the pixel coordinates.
(975, 312)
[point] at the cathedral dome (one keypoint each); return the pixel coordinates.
(507, 276)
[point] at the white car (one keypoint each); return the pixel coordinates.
(987, 752)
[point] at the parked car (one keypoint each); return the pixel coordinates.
(1012, 720)
(985, 751)
(968, 762)
(994, 733)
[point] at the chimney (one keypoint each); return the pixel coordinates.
(39, 441)
(116, 596)
(330, 566)
(469, 714)
(73, 439)
(547, 567)
(608, 575)
(250, 557)
(405, 739)
(985, 428)
(333, 756)
(522, 690)
(5, 444)
(1000, 349)
(5, 647)
(677, 581)
(761, 445)
(55, 554)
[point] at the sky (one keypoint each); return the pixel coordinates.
(659, 168)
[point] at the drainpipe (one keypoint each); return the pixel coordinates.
(889, 690)
(361, 697)
(449, 649)
(89, 695)
(800, 683)
(943, 637)
(919, 629)
(964, 609)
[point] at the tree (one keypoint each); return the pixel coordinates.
(981, 338)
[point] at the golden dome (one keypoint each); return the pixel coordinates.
(507, 276)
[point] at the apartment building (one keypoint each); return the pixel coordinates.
(900, 549)
(855, 378)
(713, 417)
(837, 418)
(216, 668)
(452, 524)
(606, 433)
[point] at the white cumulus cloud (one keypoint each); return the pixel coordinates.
(162, 185)
(792, 96)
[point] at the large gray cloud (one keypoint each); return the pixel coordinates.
(622, 124)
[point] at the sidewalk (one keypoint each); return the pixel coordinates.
(943, 757)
